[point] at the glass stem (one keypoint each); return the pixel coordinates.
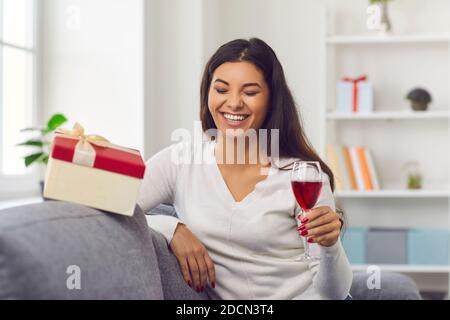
(305, 242)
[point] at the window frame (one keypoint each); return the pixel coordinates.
(23, 185)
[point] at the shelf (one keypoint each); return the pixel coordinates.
(401, 115)
(394, 194)
(386, 129)
(406, 268)
(385, 39)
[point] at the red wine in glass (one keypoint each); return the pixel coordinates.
(306, 182)
(306, 193)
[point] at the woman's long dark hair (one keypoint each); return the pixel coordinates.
(282, 112)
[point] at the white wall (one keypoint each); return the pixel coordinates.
(181, 38)
(173, 51)
(94, 74)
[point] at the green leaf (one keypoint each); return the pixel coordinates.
(55, 121)
(44, 159)
(33, 143)
(32, 158)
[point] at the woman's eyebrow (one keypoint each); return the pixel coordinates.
(223, 81)
(244, 85)
(251, 84)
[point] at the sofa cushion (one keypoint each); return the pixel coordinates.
(393, 286)
(43, 247)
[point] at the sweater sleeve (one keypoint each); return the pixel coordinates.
(158, 186)
(332, 275)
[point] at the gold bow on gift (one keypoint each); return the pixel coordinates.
(78, 132)
(84, 151)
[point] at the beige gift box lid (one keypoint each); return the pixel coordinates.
(110, 189)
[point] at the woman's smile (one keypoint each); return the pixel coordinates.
(234, 120)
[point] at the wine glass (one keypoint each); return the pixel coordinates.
(306, 182)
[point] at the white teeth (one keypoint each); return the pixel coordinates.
(234, 117)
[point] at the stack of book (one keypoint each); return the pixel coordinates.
(353, 168)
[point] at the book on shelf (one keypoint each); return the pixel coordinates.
(353, 167)
(348, 167)
(364, 168)
(372, 170)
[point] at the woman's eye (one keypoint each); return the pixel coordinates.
(252, 93)
(221, 90)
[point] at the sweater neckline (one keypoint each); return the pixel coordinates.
(225, 190)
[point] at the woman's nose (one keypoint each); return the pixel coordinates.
(235, 102)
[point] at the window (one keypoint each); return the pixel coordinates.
(17, 81)
(17, 73)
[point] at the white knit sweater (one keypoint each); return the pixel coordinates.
(254, 242)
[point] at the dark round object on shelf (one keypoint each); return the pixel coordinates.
(420, 98)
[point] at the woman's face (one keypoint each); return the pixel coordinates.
(238, 97)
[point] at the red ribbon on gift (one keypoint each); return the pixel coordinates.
(355, 82)
(96, 152)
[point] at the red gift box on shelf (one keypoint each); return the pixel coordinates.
(89, 170)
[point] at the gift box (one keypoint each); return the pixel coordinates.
(354, 96)
(386, 246)
(89, 170)
(428, 247)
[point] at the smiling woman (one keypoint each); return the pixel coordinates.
(237, 234)
(254, 86)
(234, 102)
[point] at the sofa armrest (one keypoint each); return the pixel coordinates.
(39, 243)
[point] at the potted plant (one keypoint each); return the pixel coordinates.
(42, 142)
(379, 17)
(419, 98)
(413, 175)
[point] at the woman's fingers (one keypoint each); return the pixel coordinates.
(193, 268)
(195, 263)
(313, 214)
(196, 270)
(185, 270)
(203, 271)
(322, 225)
(322, 220)
(322, 230)
(326, 240)
(211, 270)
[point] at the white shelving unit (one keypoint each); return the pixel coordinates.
(436, 115)
(427, 194)
(385, 130)
(406, 268)
(387, 39)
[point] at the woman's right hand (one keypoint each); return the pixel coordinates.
(195, 263)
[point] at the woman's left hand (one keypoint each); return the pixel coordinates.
(320, 225)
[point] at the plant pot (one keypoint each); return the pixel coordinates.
(379, 17)
(41, 183)
(419, 105)
(414, 182)
(385, 23)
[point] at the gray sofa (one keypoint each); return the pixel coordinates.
(58, 250)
